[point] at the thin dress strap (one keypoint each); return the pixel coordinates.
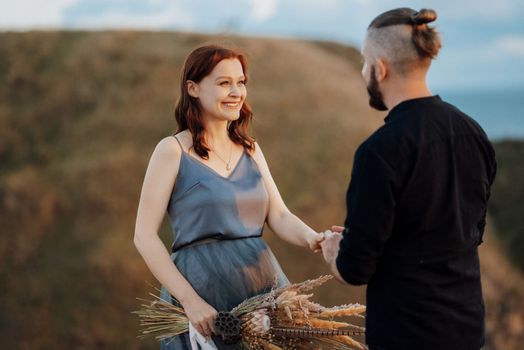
(179, 143)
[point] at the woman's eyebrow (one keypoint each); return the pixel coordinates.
(227, 77)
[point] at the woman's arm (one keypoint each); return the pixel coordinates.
(156, 190)
(280, 219)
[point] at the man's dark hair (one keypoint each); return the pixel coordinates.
(425, 39)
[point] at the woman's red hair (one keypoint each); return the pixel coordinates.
(188, 111)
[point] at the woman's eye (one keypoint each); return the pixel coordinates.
(242, 82)
(224, 83)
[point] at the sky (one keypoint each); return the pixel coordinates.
(483, 39)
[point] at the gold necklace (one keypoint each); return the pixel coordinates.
(228, 163)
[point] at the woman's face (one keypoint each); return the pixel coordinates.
(223, 92)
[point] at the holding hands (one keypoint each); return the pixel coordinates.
(326, 242)
(315, 241)
(331, 242)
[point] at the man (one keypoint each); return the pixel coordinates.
(417, 200)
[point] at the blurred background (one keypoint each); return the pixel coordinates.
(88, 89)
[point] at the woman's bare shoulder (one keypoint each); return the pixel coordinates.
(256, 151)
(168, 147)
(257, 155)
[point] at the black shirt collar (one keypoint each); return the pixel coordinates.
(402, 106)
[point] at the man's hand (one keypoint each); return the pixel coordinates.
(337, 229)
(330, 246)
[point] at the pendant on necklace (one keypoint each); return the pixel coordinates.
(228, 167)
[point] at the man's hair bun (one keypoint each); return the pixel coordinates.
(423, 16)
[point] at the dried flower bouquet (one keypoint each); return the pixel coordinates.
(283, 318)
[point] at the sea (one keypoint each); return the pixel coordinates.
(499, 112)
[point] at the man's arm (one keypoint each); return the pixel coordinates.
(492, 164)
(371, 203)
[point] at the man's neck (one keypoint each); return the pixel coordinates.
(403, 91)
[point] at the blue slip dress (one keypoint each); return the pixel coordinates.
(217, 223)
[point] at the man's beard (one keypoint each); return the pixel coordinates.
(375, 96)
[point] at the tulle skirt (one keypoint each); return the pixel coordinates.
(225, 273)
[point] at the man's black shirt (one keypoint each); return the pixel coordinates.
(416, 214)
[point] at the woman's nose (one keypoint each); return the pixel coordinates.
(234, 91)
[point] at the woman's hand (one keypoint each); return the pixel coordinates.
(314, 242)
(201, 315)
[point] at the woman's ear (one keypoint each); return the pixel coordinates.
(381, 71)
(192, 88)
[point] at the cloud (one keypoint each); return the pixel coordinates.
(94, 14)
(497, 51)
(483, 10)
(26, 14)
(156, 14)
(512, 45)
(263, 9)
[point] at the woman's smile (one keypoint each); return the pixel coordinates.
(232, 105)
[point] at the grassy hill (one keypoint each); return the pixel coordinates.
(508, 197)
(80, 114)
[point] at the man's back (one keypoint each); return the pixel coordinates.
(416, 213)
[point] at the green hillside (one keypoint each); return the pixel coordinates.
(80, 114)
(508, 196)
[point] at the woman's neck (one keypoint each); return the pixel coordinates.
(216, 134)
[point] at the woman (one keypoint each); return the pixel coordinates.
(215, 183)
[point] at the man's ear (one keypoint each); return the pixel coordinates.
(192, 88)
(381, 71)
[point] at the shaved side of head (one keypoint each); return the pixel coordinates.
(394, 45)
(402, 38)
